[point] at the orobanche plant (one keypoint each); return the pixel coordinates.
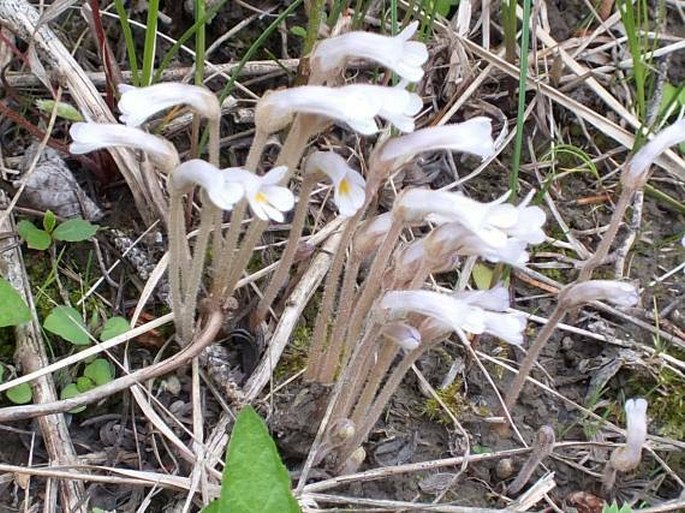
(376, 316)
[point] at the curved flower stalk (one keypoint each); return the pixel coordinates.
(354, 105)
(348, 184)
(617, 292)
(267, 199)
(221, 191)
(473, 136)
(90, 136)
(628, 457)
(396, 53)
(637, 170)
(138, 104)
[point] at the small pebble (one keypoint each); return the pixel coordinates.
(504, 468)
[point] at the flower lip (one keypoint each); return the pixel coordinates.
(396, 53)
(90, 136)
(221, 192)
(266, 198)
(349, 187)
(137, 104)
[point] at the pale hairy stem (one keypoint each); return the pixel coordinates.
(214, 125)
(532, 355)
(372, 284)
(207, 219)
(242, 258)
(386, 355)
(177, 260)
(318, 351)
(362, 430)
(256, 150)
(288, 256)
(605, 245)
(337, 354)
(225, 260)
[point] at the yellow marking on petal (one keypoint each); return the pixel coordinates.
(344, 187)
(261, 198)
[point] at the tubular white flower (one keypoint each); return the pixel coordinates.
(348, 185)
(473, 136)
(354, 105)
(505, 326)
(223, 193)
(455, 239)
(637, 171)
(371, 233)
(495, 299)
(448, 310)
(628, 457)
(267, 199)
(138, 104)
(528, 227)
(397, 53)
(90, 136)
(617, 292)
(404, 335)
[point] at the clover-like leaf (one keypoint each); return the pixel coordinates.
(100, 371)
(254, 478)
(74, 230)
(13, 310)
(66, 322)
(35, 237)
(21, 394)
(114, 327)
(69, 391)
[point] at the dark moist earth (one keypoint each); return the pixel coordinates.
(596, 375)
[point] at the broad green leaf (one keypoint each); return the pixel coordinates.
(13, 310)
(64, 110)
(69, 391)
(75, 230)
(35, 237)
(99, 371)
(254, 478)
(66, 322)
(84, 384)
(482, 276)
(49, 221)
(21, 394)
(114, 327)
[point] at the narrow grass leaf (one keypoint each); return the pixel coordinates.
(254, 478)
(13, 310)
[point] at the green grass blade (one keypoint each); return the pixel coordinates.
(200, 43)
(523, 77)
(150, 41)
(128, 39)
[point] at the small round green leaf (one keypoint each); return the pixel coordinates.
(21, 394)
(13, 310)
(35, 237)
(66, 322)
(298, 31)
(69, 391)
(64, 110)
(114, 327)
(100, 371)
(75, 230)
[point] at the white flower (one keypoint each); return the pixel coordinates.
(637, 171)
(137, 104)
(354, 105)
(370, 235)
(473, 136)
(446, 309)
(617, 292)
(348, 185)
(266, 198)
(220, 191)
(397, 53)
(92, 136)
(454, 239)
(528, 227)
(404, 335)
(628, 457)
(505, 326)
